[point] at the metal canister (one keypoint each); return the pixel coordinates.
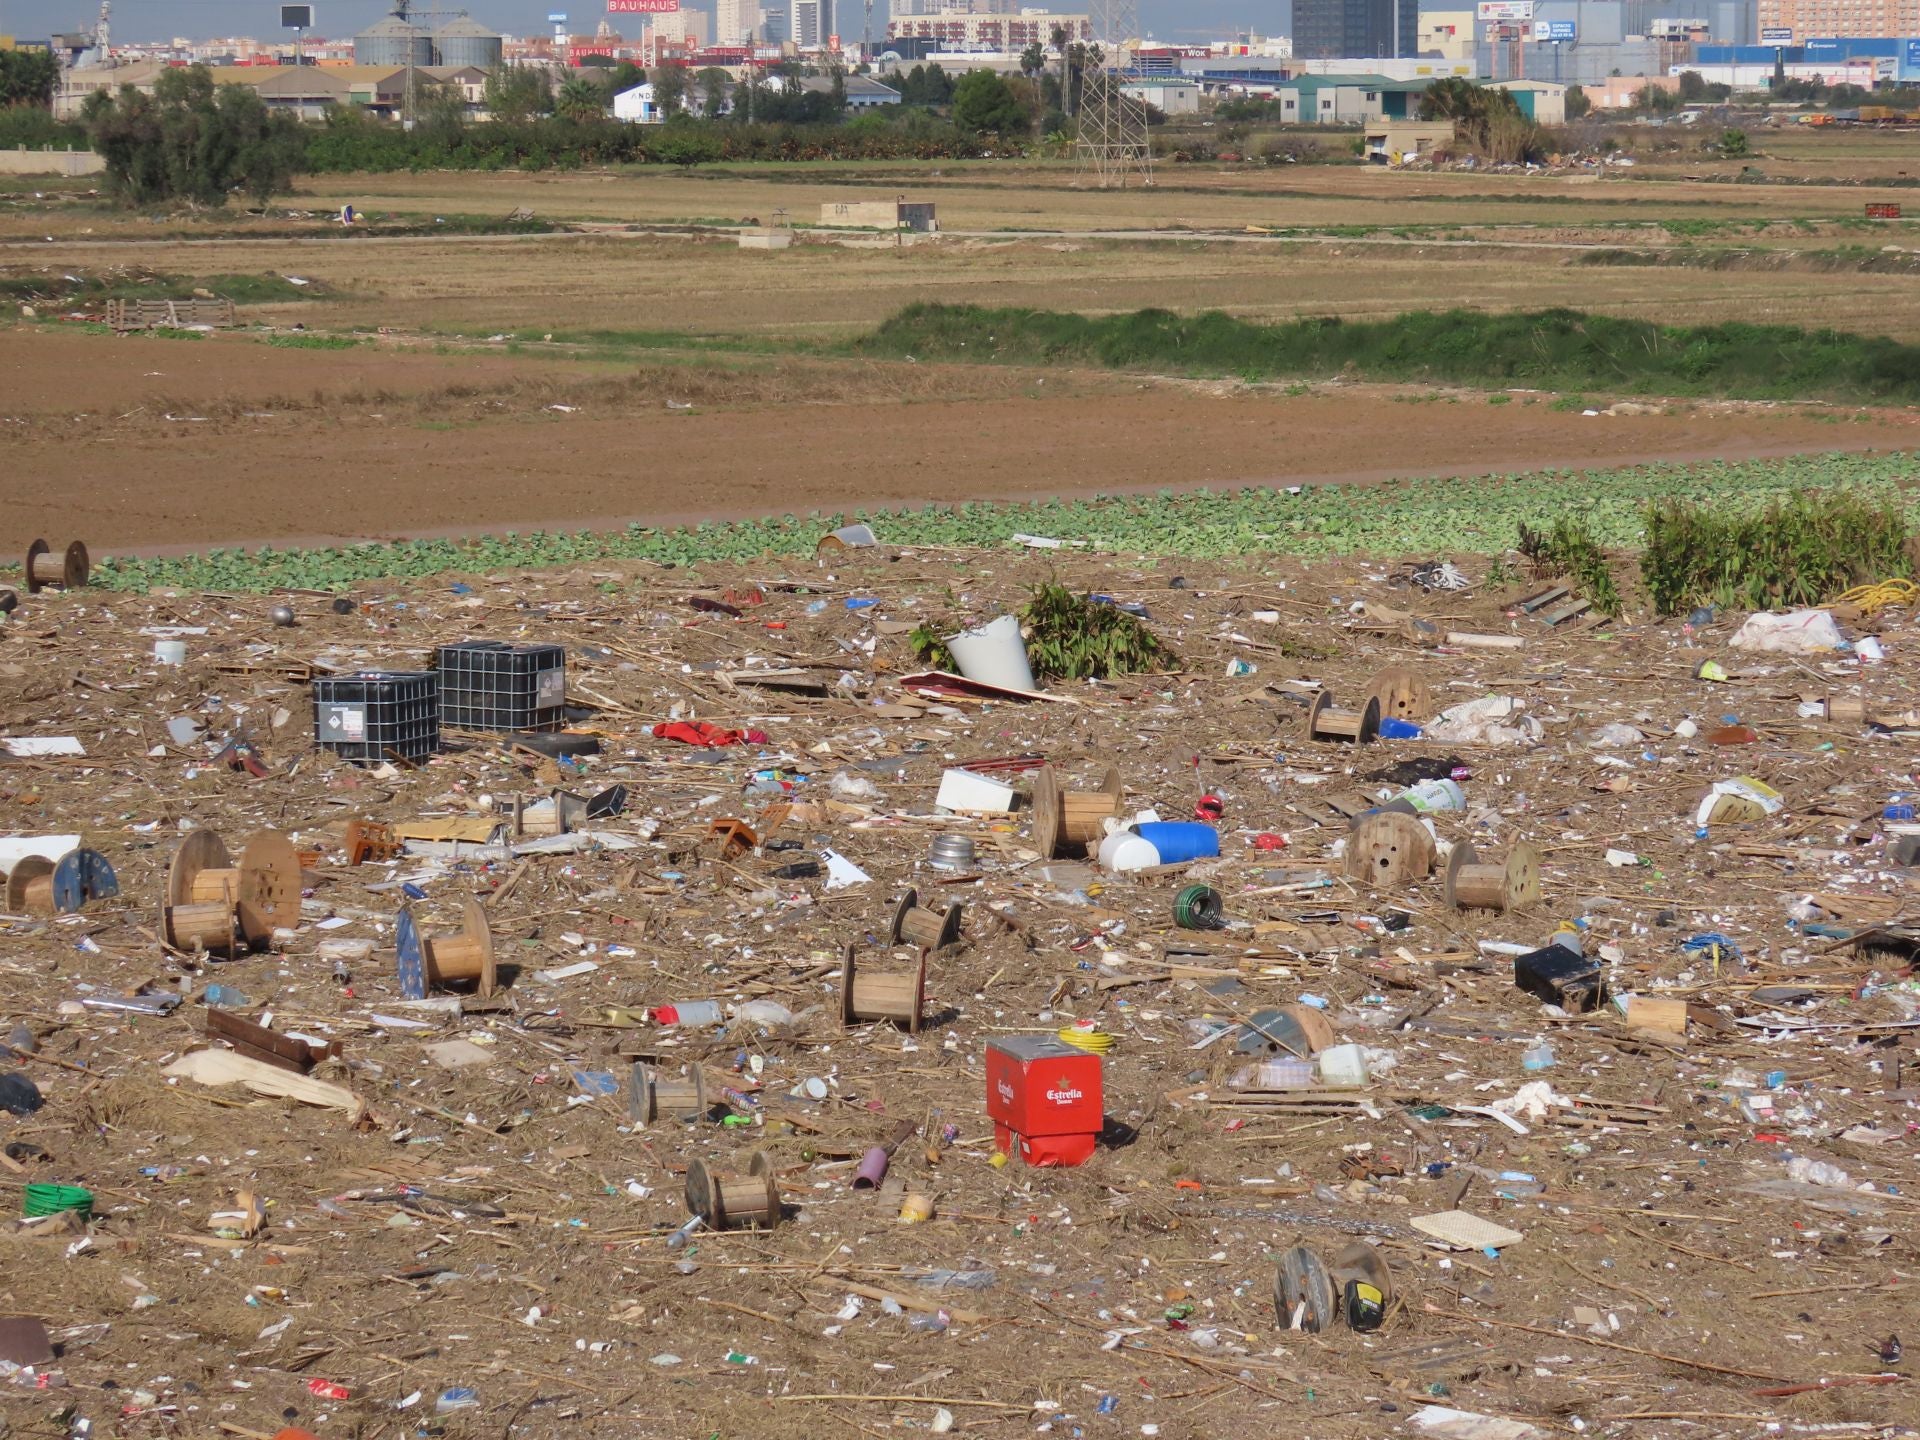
(951, 852)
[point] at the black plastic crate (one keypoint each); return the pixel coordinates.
(489, 685)
(375, 715)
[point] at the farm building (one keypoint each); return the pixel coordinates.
(881, 214)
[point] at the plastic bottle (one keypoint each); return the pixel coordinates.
(1433, 796)
(688, 1012)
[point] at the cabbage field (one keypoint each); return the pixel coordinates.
(1457, 516)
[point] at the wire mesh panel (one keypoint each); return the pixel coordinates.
(378, 714)
(489, 685)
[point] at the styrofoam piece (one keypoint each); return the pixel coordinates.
(1465, 1231)
(964, 790)
(15, 848)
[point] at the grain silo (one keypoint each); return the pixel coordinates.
(465, 41)
(393, 41)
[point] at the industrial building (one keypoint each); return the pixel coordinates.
(1355, 29)
(398, 40)
(976, 31)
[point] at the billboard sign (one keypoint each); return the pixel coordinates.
(296, 17)
(1505, 10)
(1913, 53)
(1555, 31)
(1776, 35)
(643, 7)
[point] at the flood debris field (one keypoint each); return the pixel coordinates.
(1707, 1182)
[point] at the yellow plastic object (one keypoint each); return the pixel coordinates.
(1096, 1041)
(1869, 599)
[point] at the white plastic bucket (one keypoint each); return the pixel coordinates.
(993, 654)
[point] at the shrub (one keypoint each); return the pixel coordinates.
(1802, 550)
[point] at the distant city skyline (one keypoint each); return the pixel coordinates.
(1175, 21)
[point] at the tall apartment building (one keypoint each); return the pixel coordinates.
(1355, 29)
(812, 23)
(1842, 19)
(735, 22)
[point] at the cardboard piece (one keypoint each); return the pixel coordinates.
(225, 1067)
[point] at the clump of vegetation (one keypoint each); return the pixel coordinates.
(1570, 549)
(1800, 550)
(1546, 349)
(1069, 637)
(192, 141)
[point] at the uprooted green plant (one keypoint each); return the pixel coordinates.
(1800, 550)
(1068, 637)
(1569, 549)
(1076, 637)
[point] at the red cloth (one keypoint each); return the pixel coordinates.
(699, 732)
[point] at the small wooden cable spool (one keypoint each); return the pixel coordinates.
(39, 886)
(732, 1203)
(67, 570)
(1071, 818)
(651, 1095)
(1389, 849)
(929, 929)
(899, 997)
(1510, 885)
(1356, 727)
(1402, 693)
(222, 908)
(431, 962)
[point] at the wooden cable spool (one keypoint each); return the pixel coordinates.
(222, 908)
(1512, 885)
(651, 1095)
(899, 997)
(431, 962)
(67, 570)
(39, 886)
(1071, 818)
(732, 1203)
(1389, 849)
(929, 929)
(1356, 727)
(1402, 693)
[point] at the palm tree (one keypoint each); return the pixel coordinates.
(581, 99)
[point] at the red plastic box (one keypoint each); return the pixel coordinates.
(1045, 1095)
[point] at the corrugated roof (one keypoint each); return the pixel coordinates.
(466, 26)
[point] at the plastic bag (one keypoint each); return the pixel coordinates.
(1798, 632)
(1480, 722)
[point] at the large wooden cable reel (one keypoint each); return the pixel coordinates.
(428, 962)
(1356, 727)
(1511, 884)
(39, 886)
(728, 1202)
(1389, 850)
(899, 997)
(1071, 818)
(929, 929)
(62, 570)
(1402, 694)
(214, 905)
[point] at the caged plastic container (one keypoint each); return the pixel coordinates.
(488, 685)
(374, 715)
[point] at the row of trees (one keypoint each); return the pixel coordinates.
(27, 77)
